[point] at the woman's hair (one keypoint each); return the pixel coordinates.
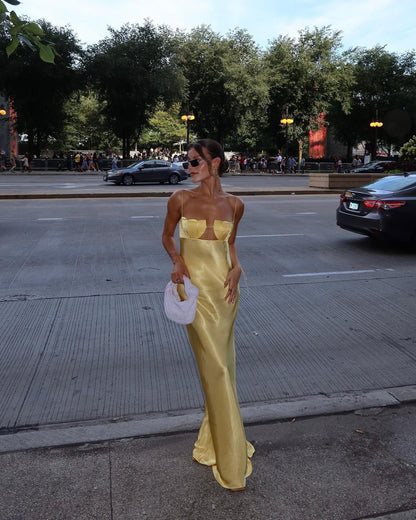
(214, 149)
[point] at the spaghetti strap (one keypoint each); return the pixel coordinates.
(182, 204)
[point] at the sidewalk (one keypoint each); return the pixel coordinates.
(338, 467)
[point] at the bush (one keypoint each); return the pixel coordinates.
(408, 150)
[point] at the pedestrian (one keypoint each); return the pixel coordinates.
(208, 218)
(78, 162)
(3, 160)
(283, 166)
(12, 162)
(114, 162)
(339, 165)
(302, 165)
(25, 163)
(279, 162)
(293, 165)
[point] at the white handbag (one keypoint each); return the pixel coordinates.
(181, 311)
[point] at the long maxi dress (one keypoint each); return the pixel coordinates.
(221, 439)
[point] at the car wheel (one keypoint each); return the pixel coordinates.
(174, 179)
(128, 180)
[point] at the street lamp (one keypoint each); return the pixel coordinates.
(286, 121)
(187, 118)
(376, 125)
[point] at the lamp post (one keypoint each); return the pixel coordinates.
(376, 125)
(286, 121)
(187, 118)
(4, 130)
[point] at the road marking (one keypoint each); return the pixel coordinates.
(279, 235)
(144, 216)
(330, 273)
(307, 213)
(51, 218)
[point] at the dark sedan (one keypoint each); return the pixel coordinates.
(153, 171)
(384, 208)
(374, 167)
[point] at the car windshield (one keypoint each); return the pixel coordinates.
(135, 164)
(370, 164)
(392, 183)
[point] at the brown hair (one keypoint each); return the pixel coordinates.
(214, 149)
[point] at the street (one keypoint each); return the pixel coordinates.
(84, 337)
(83, 183)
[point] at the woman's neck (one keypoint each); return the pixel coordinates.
(210, 187)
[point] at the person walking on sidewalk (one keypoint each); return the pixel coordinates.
(208, 218)
(12, 162)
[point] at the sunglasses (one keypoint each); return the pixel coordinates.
(194, 163)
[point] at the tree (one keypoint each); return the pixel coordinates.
(25, 32)
(86, 126)
(304, 76)
(132, 70)
(225, 86)
(408, 150)
(384, 87)
(165, 128)
(247, 85)
(38, 91)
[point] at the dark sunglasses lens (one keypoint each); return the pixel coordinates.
(194, 162)
(185, 165)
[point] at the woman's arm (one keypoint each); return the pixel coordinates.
(168, 240)
(234, 273)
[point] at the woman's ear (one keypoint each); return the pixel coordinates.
(216, 163)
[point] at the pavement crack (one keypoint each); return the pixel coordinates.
(35, 371)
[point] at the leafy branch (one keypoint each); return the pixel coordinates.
(25, 33)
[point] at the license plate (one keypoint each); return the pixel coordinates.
(353, 205)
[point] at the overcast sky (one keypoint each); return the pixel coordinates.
(363, 23)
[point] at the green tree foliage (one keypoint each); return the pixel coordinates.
(24, 32)
(165, 128)
(86, 126)
(384, 87)
(37, 90)
(305, 76)
(225, 85)
(132, 70)
(408, 150)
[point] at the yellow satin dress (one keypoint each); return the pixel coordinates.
(221, 440)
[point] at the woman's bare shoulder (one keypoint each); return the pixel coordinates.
(235, 202)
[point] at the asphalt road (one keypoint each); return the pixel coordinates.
(86, 183)
(84, 338)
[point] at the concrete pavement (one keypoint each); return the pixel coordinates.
(337, 454)
(352, 466)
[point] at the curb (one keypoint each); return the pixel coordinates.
(171, 423)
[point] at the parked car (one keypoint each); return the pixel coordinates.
(373, 167)
(384, 208)
(151, 171)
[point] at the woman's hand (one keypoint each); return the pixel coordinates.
(231, 282)
(179, 270)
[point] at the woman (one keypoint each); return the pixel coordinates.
(208, 219)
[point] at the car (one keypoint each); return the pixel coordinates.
(373, 167)
(385, 208)
(151, 171)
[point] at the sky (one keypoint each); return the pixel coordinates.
(364, 23)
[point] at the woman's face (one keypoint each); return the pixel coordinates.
(201, 171)
(204, 169)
